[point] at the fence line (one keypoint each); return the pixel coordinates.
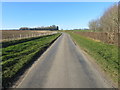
(23, 36)
(106, 37)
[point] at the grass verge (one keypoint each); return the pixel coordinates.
(17, 54)
(105, 55)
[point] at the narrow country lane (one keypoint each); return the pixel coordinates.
(63, 65)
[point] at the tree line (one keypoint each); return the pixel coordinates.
(108, 22)
(52, 28)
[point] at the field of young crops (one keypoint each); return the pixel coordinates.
(17, 54)
(105, 55)
(8, 35)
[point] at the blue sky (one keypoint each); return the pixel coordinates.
(59, 0)
(67, 15)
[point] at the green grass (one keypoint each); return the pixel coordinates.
(16, 54)
(105, 55)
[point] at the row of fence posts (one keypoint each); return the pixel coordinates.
(26, 36)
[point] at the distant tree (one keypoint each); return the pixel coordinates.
(53, 27)
(24, 28)
(57, 28)
(94, 25)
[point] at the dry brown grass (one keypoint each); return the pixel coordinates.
(19, 34)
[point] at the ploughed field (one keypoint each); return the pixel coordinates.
(8, 35)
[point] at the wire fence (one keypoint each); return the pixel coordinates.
(16, 36)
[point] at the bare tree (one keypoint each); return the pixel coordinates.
(94, 25)
(108, 22)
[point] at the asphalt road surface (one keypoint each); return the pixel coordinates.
(63, 65)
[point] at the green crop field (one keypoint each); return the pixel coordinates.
(105, 55)
(16, 54)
